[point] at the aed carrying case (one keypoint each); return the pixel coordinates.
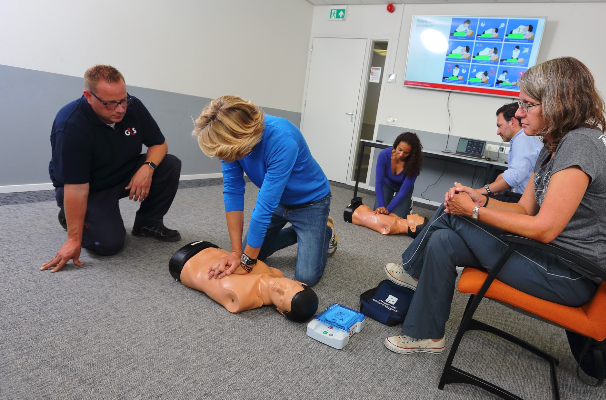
(387, 303)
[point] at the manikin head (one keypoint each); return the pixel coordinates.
(105, 91)
(303, 303)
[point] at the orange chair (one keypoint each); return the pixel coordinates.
(587, 320)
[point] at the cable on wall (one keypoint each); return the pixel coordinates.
(449, 124)
(433, 184)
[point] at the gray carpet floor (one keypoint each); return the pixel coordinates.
(121, 328)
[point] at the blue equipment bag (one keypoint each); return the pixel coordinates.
(387, 303)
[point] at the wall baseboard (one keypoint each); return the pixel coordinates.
(200, 176)
(34, 187)
(26, 188)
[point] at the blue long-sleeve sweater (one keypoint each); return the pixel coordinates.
(399, 182)
(282, 166)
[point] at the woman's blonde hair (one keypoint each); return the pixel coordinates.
(568, 96)
(229, 128)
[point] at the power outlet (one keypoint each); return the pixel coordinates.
(391, 121)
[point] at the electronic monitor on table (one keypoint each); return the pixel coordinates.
(471, 148)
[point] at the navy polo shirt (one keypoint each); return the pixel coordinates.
(86, 150)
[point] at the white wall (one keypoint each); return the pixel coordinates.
(363, 21)
(257, 49)
(572, 29)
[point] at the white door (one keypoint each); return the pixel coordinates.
(332, 102)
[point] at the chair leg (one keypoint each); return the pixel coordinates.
(472, 305)
(451, 374)
(481, 326)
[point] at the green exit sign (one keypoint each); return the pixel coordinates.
(338, 13)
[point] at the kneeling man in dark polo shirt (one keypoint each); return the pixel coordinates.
(96, 160)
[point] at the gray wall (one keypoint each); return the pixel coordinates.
(29, 101)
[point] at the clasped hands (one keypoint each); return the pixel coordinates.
(224, 266)
(461, 200)
(381, 210)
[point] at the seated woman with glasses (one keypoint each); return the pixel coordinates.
(397, 170)
(562, 204)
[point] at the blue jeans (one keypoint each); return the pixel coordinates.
(449, 240)
(308, 229)
(402, 209)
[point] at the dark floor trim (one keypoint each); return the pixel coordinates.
(49, 195)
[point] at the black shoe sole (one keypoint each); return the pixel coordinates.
(161, 238)
(62, 220)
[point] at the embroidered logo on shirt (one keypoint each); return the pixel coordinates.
(130, 131)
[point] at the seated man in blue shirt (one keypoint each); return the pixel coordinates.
(96, 160)
(522, 154)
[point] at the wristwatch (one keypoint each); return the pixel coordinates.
(247, 263)
(151, 165)
(474, 213)
(487, 189)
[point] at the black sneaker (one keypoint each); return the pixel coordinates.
(62, 219)
(158, 232)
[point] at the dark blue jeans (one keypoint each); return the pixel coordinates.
(449, 241)
(402, 209)
(308, 229)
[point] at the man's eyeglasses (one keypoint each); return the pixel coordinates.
(526, 106)
(112, 105)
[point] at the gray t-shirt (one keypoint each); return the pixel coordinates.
(585, 234)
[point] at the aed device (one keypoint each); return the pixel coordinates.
(336, 325)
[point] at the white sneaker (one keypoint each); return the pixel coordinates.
(332, 245)
(407, 345)
(396, 274)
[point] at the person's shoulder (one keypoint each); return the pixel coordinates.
(279, 123)
(136, 105)
(582, 135)
(72, 115)
(534, 141)
(583, 142)
(277, 128)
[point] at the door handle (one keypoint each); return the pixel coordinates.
(352, 114)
